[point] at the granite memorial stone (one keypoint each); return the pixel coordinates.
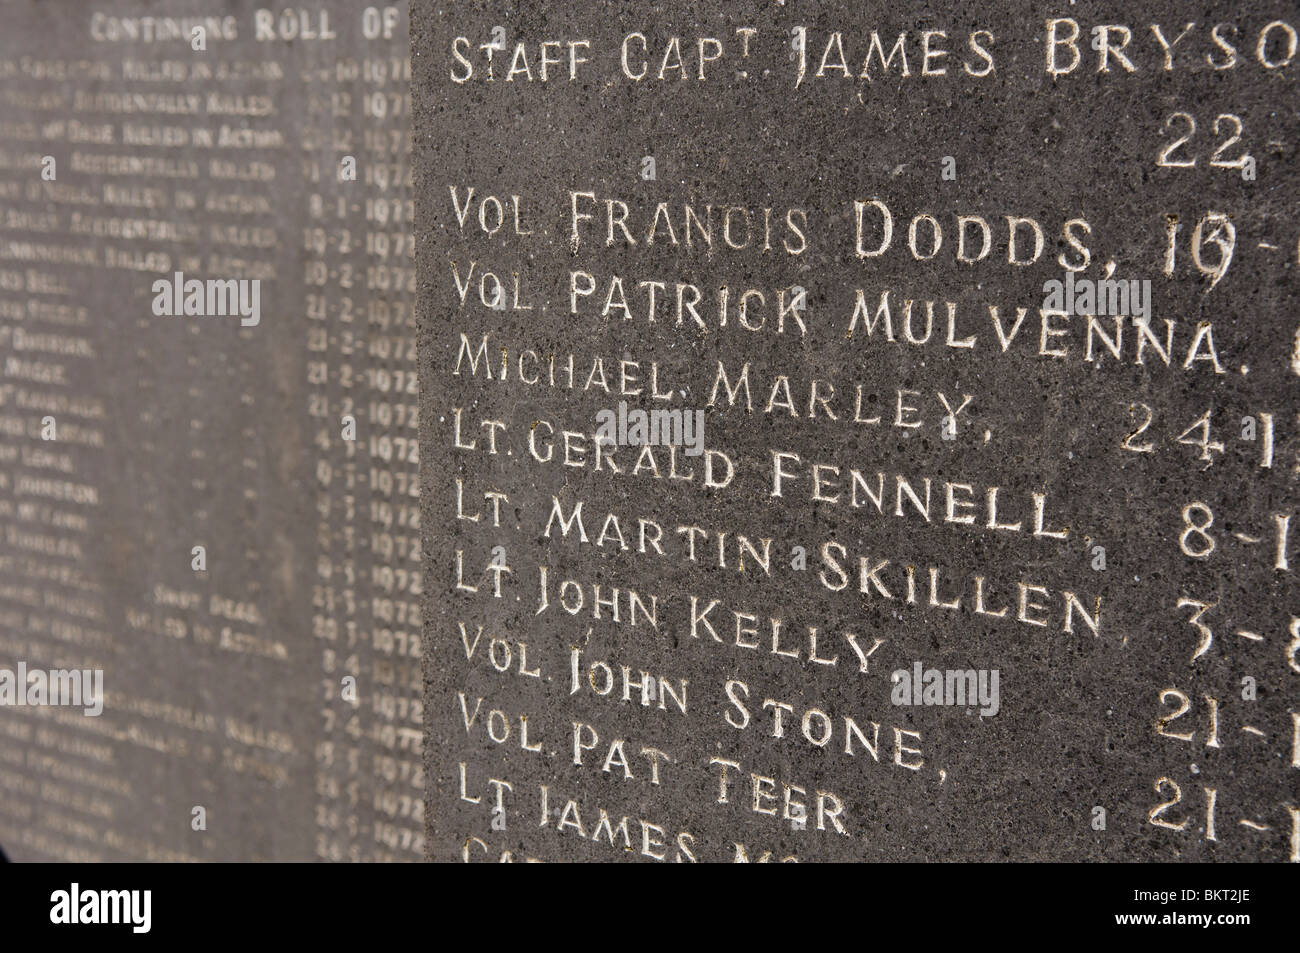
(859, 431)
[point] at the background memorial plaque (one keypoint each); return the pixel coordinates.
(830, 229)
(127, 155)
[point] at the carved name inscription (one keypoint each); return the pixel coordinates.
(859, 435)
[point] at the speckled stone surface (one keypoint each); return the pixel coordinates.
(1107, 450)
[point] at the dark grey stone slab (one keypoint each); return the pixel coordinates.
(1147, 675)
(222, 687)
